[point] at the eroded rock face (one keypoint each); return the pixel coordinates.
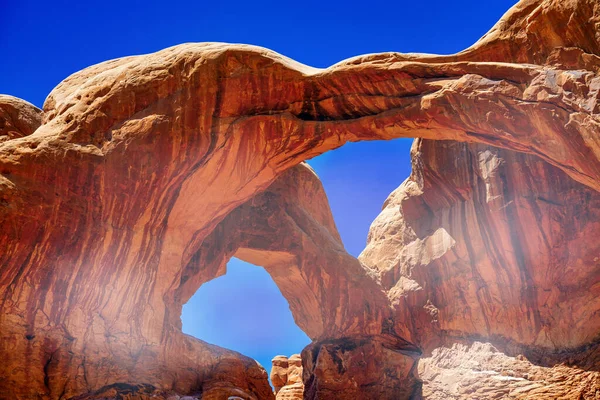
(18, 118)
(286, 377)
(285, 230)
(361, 367)
(148, 173)
(279, 372)
(479, 370)
(495, 245)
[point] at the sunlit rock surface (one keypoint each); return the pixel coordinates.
(148, 173)
(479, 370)
(498, 245)
(286, 377)
(18, 118)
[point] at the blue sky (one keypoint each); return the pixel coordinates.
(42, 42)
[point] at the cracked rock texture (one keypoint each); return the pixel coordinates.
(478, 370)
(144, 175)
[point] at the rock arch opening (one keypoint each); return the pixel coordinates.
(357, 179)
(244, 311)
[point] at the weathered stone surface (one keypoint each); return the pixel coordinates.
(149, 172)
(279, 372)
(288, 229)
(367, 368)
(285, 230)
(18, 118)
(496, 245)
(479, 370)
(286, 377)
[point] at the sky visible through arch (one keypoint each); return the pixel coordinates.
(42, 42)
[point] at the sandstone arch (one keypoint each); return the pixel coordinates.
(289, 230)
(109, 207)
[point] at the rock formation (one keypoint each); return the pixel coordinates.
(495, 246)
(289, 230)
(286, 377)
(148, 173)
(18, 118)
(479, 370)
(279, 371)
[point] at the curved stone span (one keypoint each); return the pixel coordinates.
(148, 173)
(288, 229)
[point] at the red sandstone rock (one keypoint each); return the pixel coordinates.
(285, 230)
(360, 368)
(496, 246)
(148, 173)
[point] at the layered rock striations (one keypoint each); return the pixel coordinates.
(479, 370)
(148, 173)
(496, 245)
(335, 299)
(493, 248)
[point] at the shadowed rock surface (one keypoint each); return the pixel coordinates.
(148, 173)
